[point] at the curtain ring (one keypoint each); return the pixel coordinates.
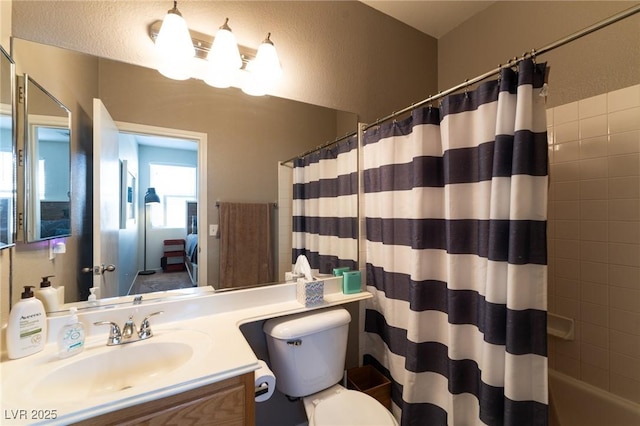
(466, 88)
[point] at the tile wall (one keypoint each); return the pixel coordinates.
(594, 239)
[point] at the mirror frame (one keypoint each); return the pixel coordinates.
(12, 211)
(25, 144)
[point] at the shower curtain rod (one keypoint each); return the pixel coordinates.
(532, 54)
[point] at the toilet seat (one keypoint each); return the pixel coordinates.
(350, 408)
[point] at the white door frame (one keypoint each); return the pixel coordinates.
(201, 139)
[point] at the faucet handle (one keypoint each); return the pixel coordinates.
(145, 329)
(115, 336)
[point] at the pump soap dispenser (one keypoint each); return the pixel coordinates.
(27, 326)
(47, 294)
(71, 337)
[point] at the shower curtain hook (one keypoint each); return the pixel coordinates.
(466, 88)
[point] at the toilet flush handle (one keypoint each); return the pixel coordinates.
(296, 342)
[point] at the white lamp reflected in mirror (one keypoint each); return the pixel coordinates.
(174, 47)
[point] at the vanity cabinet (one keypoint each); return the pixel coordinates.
(230, 402)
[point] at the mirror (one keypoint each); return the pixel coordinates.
(7, 151)
(47, 153)
(247, 137)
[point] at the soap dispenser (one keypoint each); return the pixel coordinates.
(47, 294)
(27, 326)
(71, 337)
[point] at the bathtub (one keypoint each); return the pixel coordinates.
(576, 403)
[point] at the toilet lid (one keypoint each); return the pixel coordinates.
(351, 408)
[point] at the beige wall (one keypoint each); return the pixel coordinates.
(594, 238)
(603, 61)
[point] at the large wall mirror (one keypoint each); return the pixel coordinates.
(47, 183)
(247, 137)
(7, 151)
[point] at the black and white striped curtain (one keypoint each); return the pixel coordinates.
(456, 206)
(325, 207)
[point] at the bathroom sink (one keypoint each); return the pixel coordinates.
(102, 371)
(117, 369)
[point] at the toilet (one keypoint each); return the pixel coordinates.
(307, 353)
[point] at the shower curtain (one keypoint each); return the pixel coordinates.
(455, 206)
(325, 207)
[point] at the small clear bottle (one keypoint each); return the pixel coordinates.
(71, 337)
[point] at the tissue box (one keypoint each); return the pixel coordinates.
(310, 293)
(351, 282)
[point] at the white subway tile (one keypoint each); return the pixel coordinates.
(624, 187)
(593, 231)
(567, 249)
(564, 172)
(569, 289)
(593, 251)
(550, 112)
(625, 299)
(594, 314)
(565, 113)
(624, 165)
(624, 343)
(592, 106)
(624, 143)
(625, 321)
(624, 254)
(567, 268)
(624, 121)
(624, 232)
(594, 189)
(566, 132)
(624, 209)
(569, 308)
(628, 97)
(595, 272)
(593, 126)
(593, 147)
(592, 292)
(624, 276)
(569, 151)
(596, 168)
(567, 210)
(568, 365)
(566, 191)
(594, 355)
(593, 210)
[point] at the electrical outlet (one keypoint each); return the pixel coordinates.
(213, 230)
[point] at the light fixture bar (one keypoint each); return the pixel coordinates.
(202, 43)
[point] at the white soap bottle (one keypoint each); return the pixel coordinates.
(71, 336)
(27, 326)
(47, 295)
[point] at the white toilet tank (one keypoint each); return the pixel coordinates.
(307, 351)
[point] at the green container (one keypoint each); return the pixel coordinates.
(337, 272)
(351, 282)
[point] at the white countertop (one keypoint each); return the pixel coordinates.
(223, 352)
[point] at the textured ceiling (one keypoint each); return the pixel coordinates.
(435, 18)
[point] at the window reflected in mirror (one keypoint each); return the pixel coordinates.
(47, 165)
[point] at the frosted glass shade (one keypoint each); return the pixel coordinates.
(264, 71)
(174, 48)
(223, 59)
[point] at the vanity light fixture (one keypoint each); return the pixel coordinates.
(224, 58)
(225, 63)
(174, 47)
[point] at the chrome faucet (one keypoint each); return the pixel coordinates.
(128, 333)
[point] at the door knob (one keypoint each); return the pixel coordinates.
(100, 269)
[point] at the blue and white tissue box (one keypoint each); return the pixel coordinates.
(310, 293)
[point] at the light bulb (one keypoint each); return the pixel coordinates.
(223, 59)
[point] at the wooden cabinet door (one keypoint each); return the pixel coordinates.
(227, 403)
